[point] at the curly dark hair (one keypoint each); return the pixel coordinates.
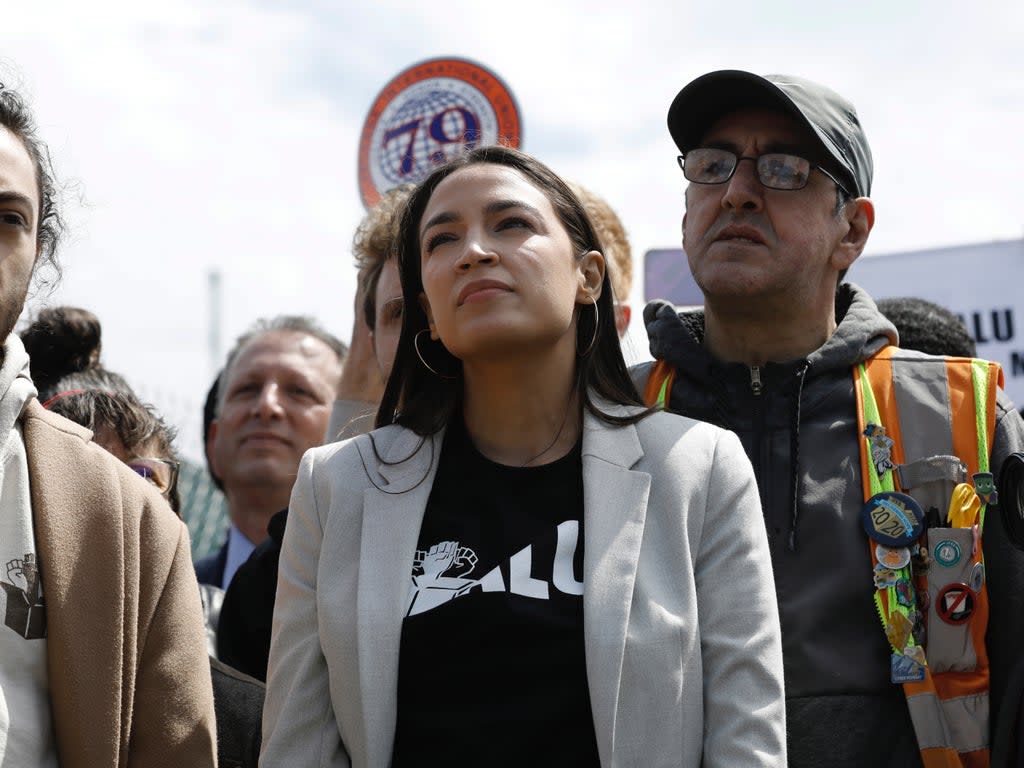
(376, 241)
(16, 117)
(928, 327)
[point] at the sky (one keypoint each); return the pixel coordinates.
(199, 136)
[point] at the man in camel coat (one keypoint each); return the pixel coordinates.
(103, 657)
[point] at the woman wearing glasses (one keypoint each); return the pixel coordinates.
(522, 565)
(127, 428)
(64, 347)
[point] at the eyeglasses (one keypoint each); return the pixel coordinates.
(775, 170)
(163, 473)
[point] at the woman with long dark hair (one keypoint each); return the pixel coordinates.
(522, 565)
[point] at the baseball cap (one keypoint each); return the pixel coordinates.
(829, 117)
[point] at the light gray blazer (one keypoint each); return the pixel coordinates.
(681, 628)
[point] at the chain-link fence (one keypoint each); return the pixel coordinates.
(203, 508)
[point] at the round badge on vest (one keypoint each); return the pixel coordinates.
(893, 519)
(947, 553)
(955, 603)
(895, 558)
(977, 576)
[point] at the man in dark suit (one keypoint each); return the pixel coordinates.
(243, 629)
(273, 401)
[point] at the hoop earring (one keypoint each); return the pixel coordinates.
(597, 324)
(416, 346)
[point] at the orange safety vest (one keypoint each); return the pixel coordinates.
(659, 384)
(947, 421)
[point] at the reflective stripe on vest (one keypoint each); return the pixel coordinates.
(941, 408)
(659, 384)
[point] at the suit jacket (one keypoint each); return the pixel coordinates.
(238, 700)
(210, 569)
(243, 631)
(672, 532)
(126, 648)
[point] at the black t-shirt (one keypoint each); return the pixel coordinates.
(491, 668)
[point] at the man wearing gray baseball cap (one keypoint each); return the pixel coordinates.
(899, 621)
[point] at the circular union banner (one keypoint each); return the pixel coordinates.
(428, 113)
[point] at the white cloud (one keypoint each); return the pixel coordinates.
(224, 135)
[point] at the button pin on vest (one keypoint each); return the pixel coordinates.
(881, 448)
(893, 519)
(985, 487)
(890, 557)
(955, 603)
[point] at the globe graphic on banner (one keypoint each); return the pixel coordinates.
(443, 110)
(425, 115)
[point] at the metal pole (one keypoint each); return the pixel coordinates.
(214, 284)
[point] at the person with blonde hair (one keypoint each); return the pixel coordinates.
(617, 250)
(377, 318)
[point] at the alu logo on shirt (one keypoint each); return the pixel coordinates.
(444, 572)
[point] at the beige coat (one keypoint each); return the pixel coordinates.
(126, 648)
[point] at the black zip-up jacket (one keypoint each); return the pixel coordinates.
(798, 423)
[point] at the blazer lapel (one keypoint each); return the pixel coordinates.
(615, 503)
(392, 516)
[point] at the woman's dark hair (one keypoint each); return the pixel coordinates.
(61, 341)
(928, 327)
(209, 414)
(423, 401)
(16, 117)
(64, 344)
